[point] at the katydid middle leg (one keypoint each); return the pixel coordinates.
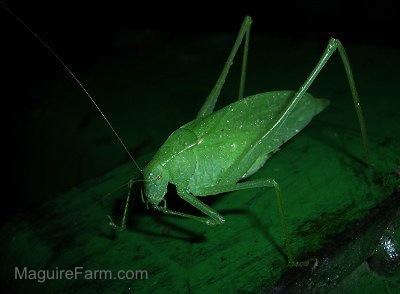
(214, 218)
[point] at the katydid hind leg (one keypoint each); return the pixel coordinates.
(244, 64)
(211, 100)
(330, 49)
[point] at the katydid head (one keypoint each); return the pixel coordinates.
(156, 182)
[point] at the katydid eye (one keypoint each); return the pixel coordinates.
(158, 177)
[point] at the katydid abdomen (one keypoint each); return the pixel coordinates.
(209, 151)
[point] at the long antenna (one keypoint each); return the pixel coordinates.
(75, 78)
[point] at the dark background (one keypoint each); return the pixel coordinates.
(83, 29)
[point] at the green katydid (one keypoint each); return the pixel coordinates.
(247, 133)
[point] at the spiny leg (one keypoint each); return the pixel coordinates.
(214, 217)
(330, 49)
(124, 216)
(356, 100)
(212, 98)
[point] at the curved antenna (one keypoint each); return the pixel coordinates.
(76, 79)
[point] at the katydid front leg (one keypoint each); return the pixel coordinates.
(125, 215)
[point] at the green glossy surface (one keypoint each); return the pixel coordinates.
(147, 95)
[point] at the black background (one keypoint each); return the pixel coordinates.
(78, 31)
(80, 27)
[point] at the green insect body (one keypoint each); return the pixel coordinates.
(246, 133)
